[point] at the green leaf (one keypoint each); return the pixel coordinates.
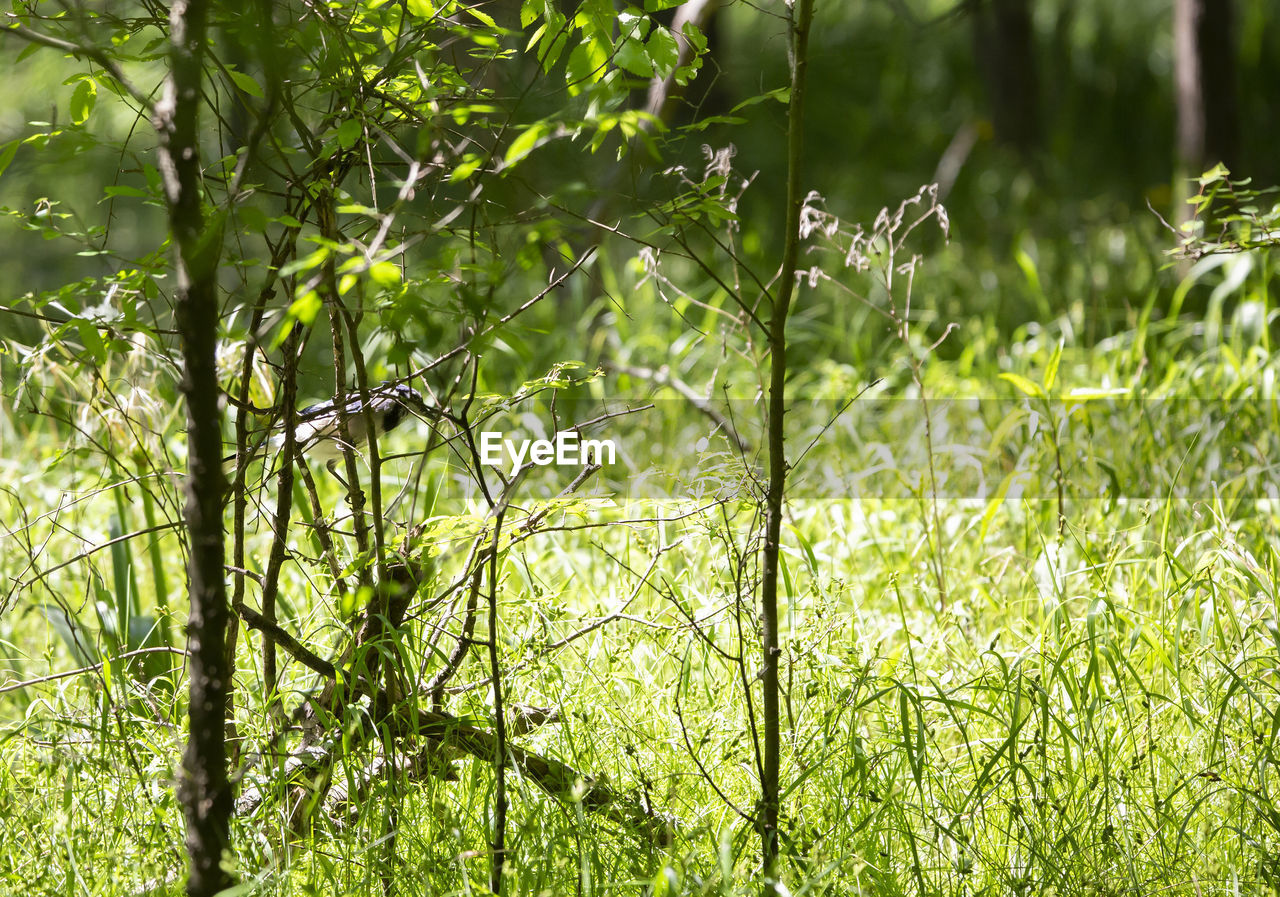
(246, 83)
(996, 503)
(697, 42)
(483, 17)
(117, 190)
(633, 23)
(1029, 270)
(1089, 394)
(663, 50)
(467, 167)
(586, 64)
(312, 260)
(92, 341)
(349, 132)
(553, 42)
(1218, 172)
(72, 633)
(7, 154)
(606, 125)
(695, 37)
(306, 307)
(599, 19)
(632, 57)
(535, 37)
(524, 144)
(1025, 386)
(252, 218)
(82, 100)
(385, 274)
(710, 121)
(423, 9)
(1051, 372)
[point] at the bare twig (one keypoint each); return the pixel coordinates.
(282, 637)
(92, 668)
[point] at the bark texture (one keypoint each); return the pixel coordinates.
(203, 790)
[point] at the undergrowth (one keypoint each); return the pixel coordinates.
(1088, 706)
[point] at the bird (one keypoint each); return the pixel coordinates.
(318, 430)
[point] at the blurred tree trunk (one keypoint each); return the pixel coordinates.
(664, 94)
(1005, 51)
(1205, 81)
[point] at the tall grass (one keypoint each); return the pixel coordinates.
(1091, 706)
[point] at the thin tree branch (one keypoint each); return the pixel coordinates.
(770, 790)
(80, 50)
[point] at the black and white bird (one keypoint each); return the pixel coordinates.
(318, 431)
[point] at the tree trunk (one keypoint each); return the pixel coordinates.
(1005, 51)
(664, 93)
(1205, 76)
(770, 793)
(203, 790)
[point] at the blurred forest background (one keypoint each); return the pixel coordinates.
(1051, 124)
